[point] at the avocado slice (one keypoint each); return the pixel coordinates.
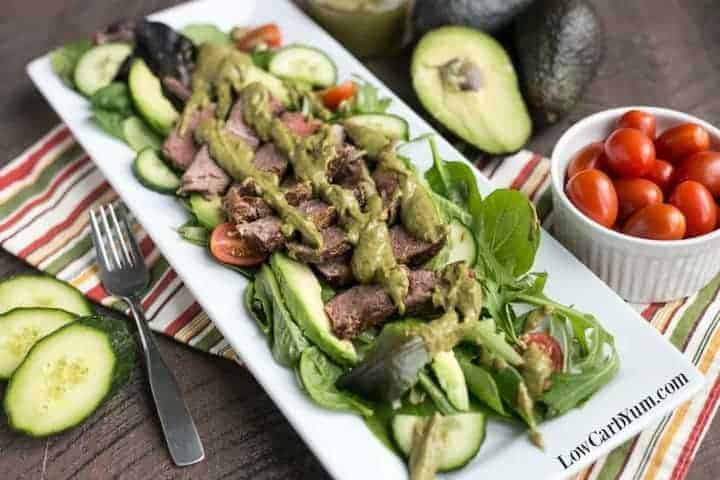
(148, 97)
(208, 210)
(560, 45)
(302, 292)
(465, 79)
(452, 380)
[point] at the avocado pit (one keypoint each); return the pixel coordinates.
(461, 75)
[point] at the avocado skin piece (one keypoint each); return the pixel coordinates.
(560, 44)
(487, 15)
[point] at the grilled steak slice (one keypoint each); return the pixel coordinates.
(387, 183)
(334, 245)
(408, 250)
(264, 234)
(242, 208)
(237, 126)
(179, 149)
(365, 306)
(176, 88)
(337, 271)
(247, 187)
(269, 159)
(296, 192)
(319, 212)
(300, 125)
(204, 175)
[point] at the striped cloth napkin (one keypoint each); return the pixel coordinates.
(46, 192)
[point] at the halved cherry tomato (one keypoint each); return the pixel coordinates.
(268, 34)
(659, 221)
(593, 193)
(698, 206)
(332, 97)
(634, 194)
(630, 152)
(590, 156)
(232, 249)
(703, 167)
(548, 345)
(639, 120)
(661, 174)
(682, 141)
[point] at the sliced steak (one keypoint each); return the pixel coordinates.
(300, 125)
(179, 149)
(387, 183)
(319, 212)
(178, 91)
(337, 271)
(237, 126)
(242, 208)
(247, 187)
(365, 306)
(334, 244)
(408, 250)
(296, 192)
(269, 159)
(264, 234)
(204, 175)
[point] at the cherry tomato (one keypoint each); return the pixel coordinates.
(682, 141)
(639, 120)
(698, 206)
(661, 174)
(593, 193)
(268, 34)
(703, 167)
(548, 345)
(659, 221)
(332, 97)
(630, 153)
(590, 156)
(634, 194)
(232, 249)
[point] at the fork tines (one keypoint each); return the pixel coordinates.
(113, 238)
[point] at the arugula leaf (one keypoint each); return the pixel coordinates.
(318, 375)
(436, 394)
(110, 122)
(64, 59)
(287, 340)
(114, 98)
(367, 99)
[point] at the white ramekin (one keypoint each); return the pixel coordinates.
(639, 270)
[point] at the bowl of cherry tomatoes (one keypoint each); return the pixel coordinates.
(635, 194)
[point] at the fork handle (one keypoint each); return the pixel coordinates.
(180, 432)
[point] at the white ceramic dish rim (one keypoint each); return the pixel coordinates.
(341, 441)
(558, 177)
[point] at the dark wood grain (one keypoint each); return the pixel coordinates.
(659, 52)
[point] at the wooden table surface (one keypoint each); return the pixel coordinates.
(659, 52)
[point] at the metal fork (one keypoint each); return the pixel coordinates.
(125, 275)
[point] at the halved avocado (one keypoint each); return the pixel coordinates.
(466, 80)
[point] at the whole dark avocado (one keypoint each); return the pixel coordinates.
(559, 45)
(486, 15)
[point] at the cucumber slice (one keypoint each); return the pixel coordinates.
(42, 291)
(462, 244)
(154, 173)
(21, 328)
(148, 97)
(67, 375)
(201, 33)
(99, 65)
(307, 64)
(139, 136)
(463, 434)
(208, 211)
(392, 126)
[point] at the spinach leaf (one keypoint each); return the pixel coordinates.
(257, 305)
(481, 383)
(194, 233)
(261, 57)
(110, 122)
(367, 99)
(64, 59)
(510, 230)
(318, 375)
(114, 98)
(287, 341)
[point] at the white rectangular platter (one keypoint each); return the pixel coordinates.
(650, 366)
